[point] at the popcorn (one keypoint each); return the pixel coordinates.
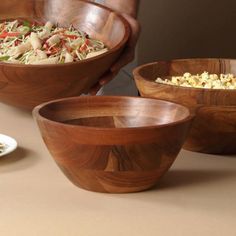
(204, 80)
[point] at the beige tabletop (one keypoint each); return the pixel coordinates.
(196, 197)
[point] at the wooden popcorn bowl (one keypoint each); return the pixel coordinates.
(113, 144)
(26, 86)
(214, 128)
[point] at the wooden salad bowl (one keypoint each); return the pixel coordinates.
(214, 128)
(113, 144)
(26, 86)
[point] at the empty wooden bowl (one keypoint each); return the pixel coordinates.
(26, 86)
(214, 128)
(113, 144)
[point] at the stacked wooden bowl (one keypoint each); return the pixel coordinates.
(214, 128)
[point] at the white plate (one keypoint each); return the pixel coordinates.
(9, 143)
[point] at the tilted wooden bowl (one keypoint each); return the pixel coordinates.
(113, 144)
(26, 86)
(214, 128)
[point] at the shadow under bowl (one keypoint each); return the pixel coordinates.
(214, 127)
(26, 86)
(113, 144)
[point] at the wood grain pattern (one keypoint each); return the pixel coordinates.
(26, 86)
(214, 128)
(113, 144)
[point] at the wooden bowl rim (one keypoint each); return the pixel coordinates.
(137, 76)
(38, 116)
(110, 51)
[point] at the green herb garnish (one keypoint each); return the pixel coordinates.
(4, 58)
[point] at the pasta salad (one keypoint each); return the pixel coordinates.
(2, 146)
(33, 43)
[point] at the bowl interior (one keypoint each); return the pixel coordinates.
(180, 66)
(113, 112)
(146, 75)
(91, 18)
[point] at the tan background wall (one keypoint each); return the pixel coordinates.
(187, 28)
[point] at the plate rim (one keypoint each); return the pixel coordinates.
(11, 147)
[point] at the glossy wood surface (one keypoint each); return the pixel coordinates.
(113, 144)
(26, 86)
(214, 128)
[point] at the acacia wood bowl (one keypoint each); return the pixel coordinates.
(214, 127)
(113, 144)
(26, 86)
